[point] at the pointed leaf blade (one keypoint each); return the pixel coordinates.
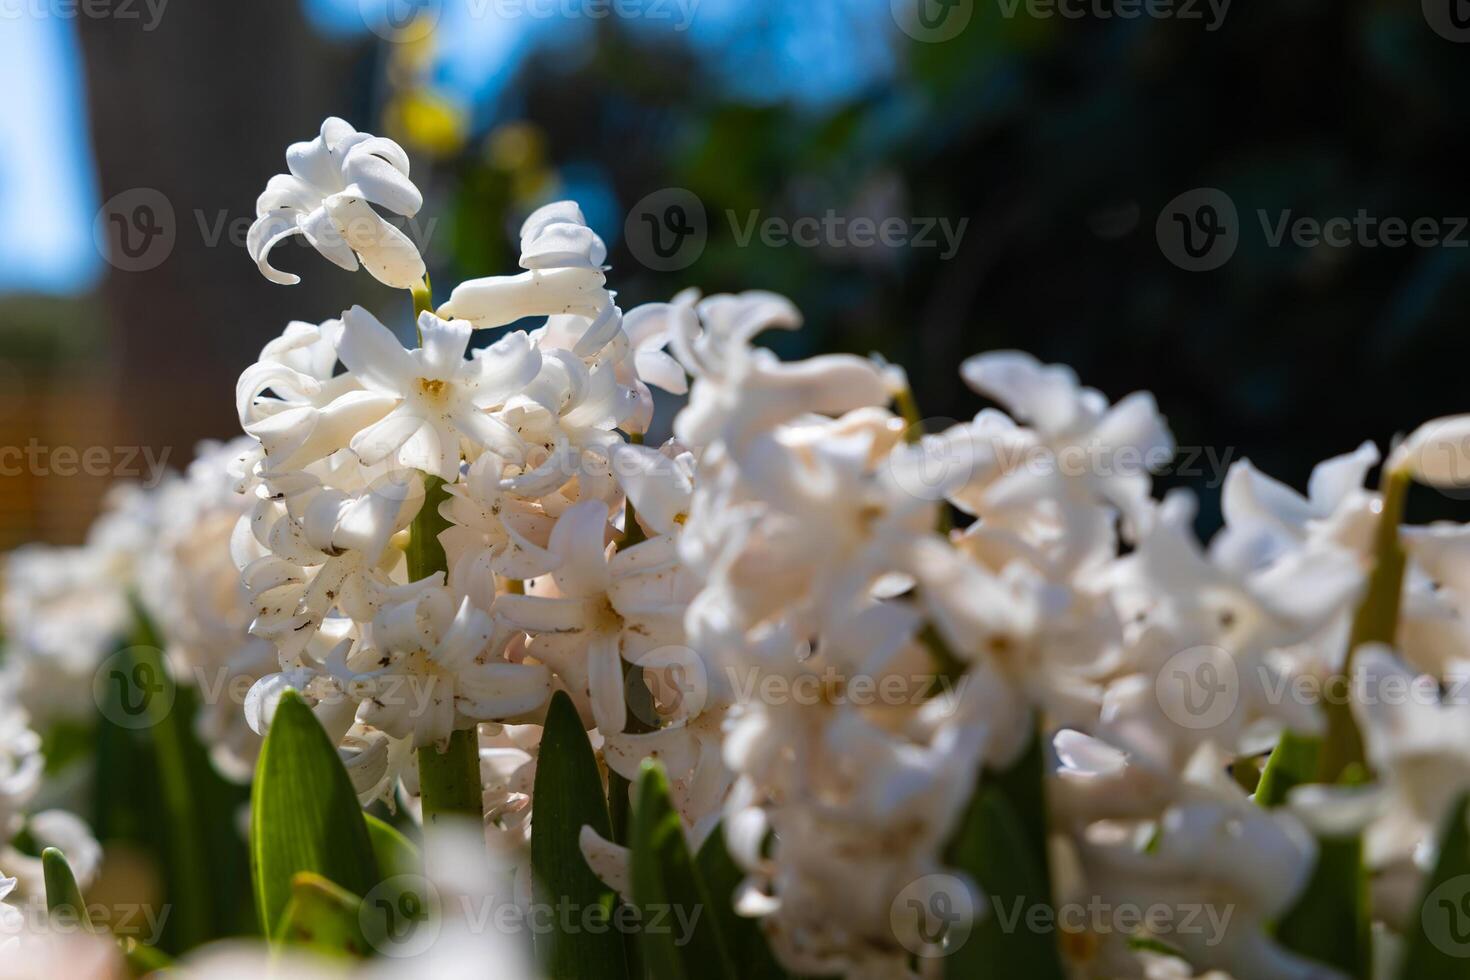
(304, 814)
(569, 795)
(667, 889)
(1438, 939)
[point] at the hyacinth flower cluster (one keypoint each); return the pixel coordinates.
(876, 701)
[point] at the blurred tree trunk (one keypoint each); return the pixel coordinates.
(201, 109)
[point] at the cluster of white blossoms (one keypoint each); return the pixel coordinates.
(824, 666)
(158, 552)
(835, 632)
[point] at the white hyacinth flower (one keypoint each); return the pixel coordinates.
(599, 611)
(329, 197)
(564, 275)
(430, 399)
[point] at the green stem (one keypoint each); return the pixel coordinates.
(1376, 621)
(913, 434)
(425, 554)
(908, 407)
(423, 302)
(449, 781)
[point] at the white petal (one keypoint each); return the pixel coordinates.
(266, 232)
(499, 691)
(609, 861)
(371, 352)
(1438, 452)
(387, 253)
(605, 683)
(1043, 395)
(579, 540)
(444, 344)
(504, 369)
(498, 300)
(324, 237)
(658, 369)
(378, 180)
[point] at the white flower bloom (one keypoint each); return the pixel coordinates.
(747, 390)
(432, 398)
(426, 669)
(1419, 745)
(21, 765)
(1434, 619)
(328, 196)
(566, 420)
(1265, 518)
(201, 607)
(311, 412)
(1228, 610)
(1090, 458)
(308, 548)
(63, 611)
(597, 611)
(493, 533)
(649, 329)
(659, 482)
(1211, 850)
(835, 514)
(563, 259)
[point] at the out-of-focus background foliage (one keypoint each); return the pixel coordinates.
(1057, 140)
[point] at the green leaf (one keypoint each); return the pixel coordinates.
(141, 958)
(396, 854)
(742, 935)
(1001, 844)
(1438, 938)
(169, 728)
(679, 938)
(323, 916)
(63, 898)
(568, 795)
(304, 813)
(1293, 763)
(1330, 922)
(1023, 786)
(995, 847)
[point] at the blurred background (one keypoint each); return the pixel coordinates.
(1127, 186)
